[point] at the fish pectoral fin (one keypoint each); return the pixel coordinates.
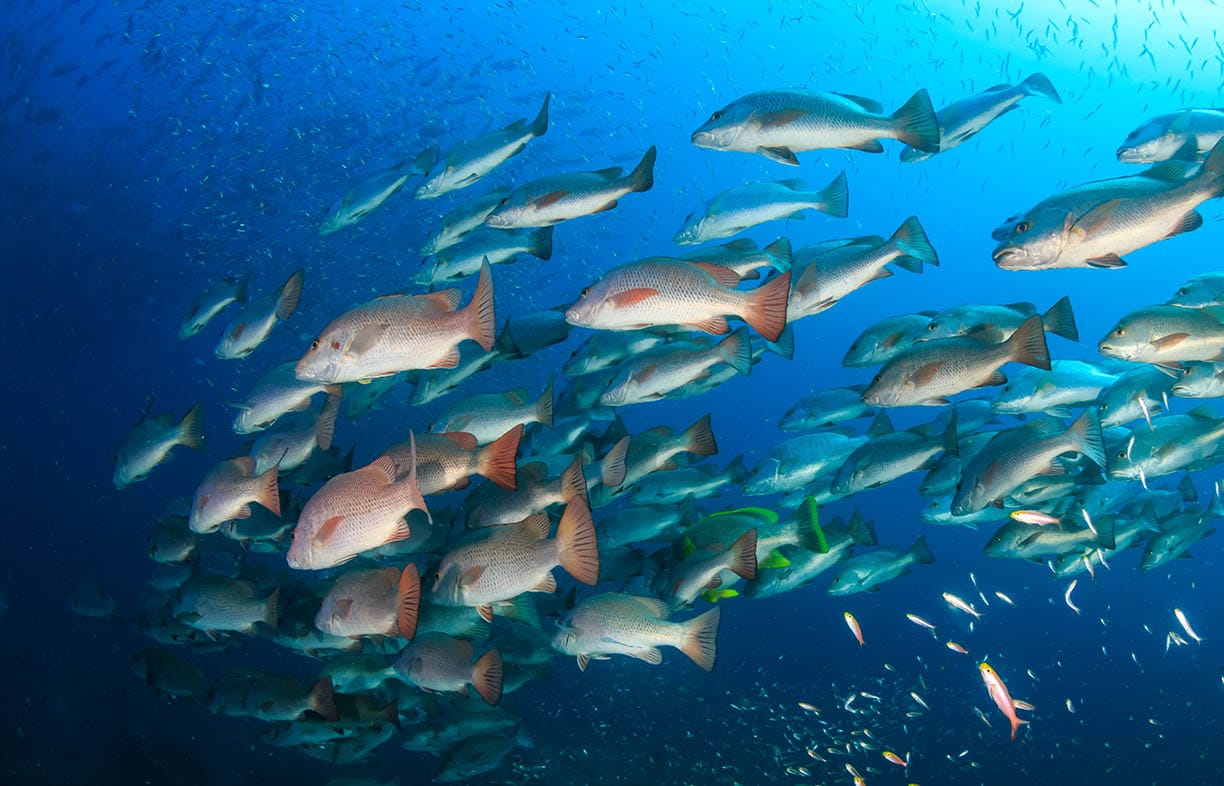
(996, 378)
(782, 155)
(715, 582)
(923, 375)
(869, 146)
(1107, 261)
(583, 662)
(328, 529)
(1095, 218)
(714, 325)
(631, 297)
(1170, 341)
(365, 340)
(471, 575)
(485, 611)
(777, 119)
(552, 197)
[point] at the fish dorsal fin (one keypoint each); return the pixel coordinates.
(724, 276)
(518, 396)
(445, 299)
(656, 607)
(536, 526)
(870, 104)
(461, 439)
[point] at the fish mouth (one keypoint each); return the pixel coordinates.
(574, 318)
(702, 139)
(1008, 257)
(497, 221)
(1129, 155)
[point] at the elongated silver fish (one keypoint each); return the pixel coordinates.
(210, 302)
(472, 159)
(1167, 334)
(254, 323)
(962, 120)
(150, 442)
(368, 195)
(780, 123)
(551, 200)
(401, 333)
(616, 624)
(744, 207)
(1187, 135)
(929, 372)
(1060, 233)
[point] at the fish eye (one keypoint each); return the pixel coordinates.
(585, 291)
(1121, 454)
(930, 326)
(717, 115)
(1022, 227)
(314, 345)
(1119, 331)
(504, 202)
(1183, 291)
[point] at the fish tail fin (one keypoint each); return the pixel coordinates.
(736, 351)
(1087, 438)
(267, 492)
(540, 243)
(612, 468)
(523, 737)
(497, 459)
(482, 322)
(744, 562)
(409, 487)
(779, 253)
(1060, 320)
(573, 482)
(834, 199)
(736, 472)
(325, 431)
(426, 159)
(1212, 172)
(576, 545)
(190, 428)
(290, 294)
(699, 438)
(540, 124)
(1105, 532)
(915, 123)
(1040, 85)
(862, 531)
(487, 677)
(544, 407)
(950, 440)
(642, 176)
(807, 527)
(271, 608)
(689, 514)
(243, 288)
(911, 240)
(766, 307)
(1016, 723)
(784, 347)
(921, 553)
(1028, 344)
(700, 642)
(323, 699)
(408, 602)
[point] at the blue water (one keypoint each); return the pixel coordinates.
(148, 150)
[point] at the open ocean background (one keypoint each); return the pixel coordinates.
(149, 149)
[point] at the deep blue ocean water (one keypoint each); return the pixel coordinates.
(149, 149)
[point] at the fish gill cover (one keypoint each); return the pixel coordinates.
(634, 393)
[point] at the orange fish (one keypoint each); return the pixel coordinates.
(895, 759)
(1000, 696)
(852, 623)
